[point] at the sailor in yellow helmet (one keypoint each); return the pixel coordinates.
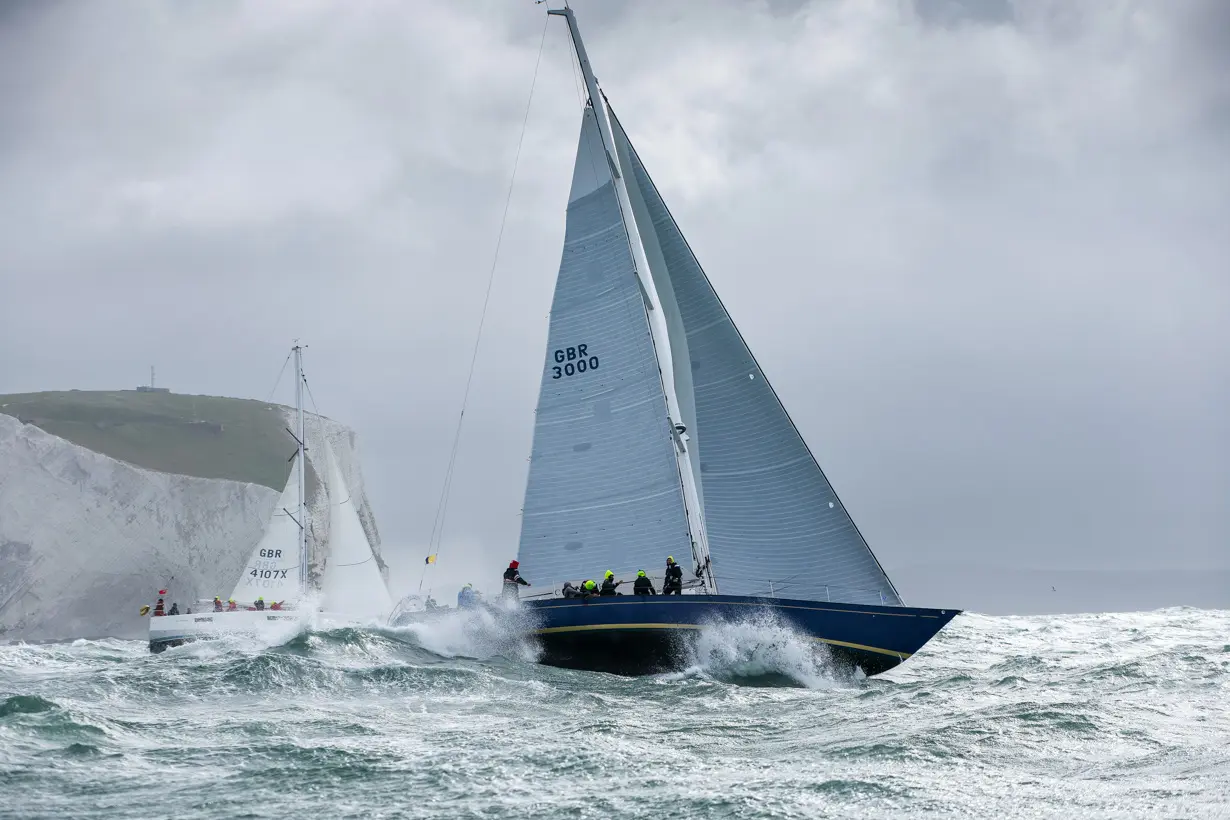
(590, 588)
(260, 602)
(673, 583)
(609, 584)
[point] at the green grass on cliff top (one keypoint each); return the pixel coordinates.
(203, 436)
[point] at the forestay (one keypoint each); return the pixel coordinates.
(273, 568)
(774, 524)
(604, 488)
(352, 581)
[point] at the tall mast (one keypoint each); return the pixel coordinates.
(299, 459)
(657, 322)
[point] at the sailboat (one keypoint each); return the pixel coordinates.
(352, 590)
(657, 434)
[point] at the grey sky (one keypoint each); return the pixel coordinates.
(980, 248)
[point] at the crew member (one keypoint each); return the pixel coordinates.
(609, 584)
(511, 580)
(217, 604)
(276, 605)
(465, 598)
(231, 606)
(158, 608)
(673, 583)
(590, 589)
(260, 604)
(642, 585)
(174, 609)
(570, 591)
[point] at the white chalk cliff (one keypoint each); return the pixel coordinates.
(86, 539)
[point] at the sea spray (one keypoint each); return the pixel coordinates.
(762, 649)
(497, 630)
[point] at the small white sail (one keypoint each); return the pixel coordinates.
(352, 581)
(272, 571)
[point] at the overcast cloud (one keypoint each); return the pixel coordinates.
(980, 248)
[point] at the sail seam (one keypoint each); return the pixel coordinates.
(588, 507)
(574, 419)
(572, 240)
(702, 328)
(738, 377)
(582, 312)
(758, 470)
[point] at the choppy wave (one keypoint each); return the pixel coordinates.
(763, 650)
(1073, 716)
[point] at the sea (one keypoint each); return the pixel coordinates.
(1065, 716)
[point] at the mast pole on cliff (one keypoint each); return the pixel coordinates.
(300, 459)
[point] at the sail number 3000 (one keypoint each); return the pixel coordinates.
(571, 361)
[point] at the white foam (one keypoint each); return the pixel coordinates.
(473, 633)
(762, 647)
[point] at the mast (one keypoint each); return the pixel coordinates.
(657, 322)
(299, 458)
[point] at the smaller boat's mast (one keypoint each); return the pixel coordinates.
(299, 459)
(658, 330)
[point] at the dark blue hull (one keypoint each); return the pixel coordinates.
(636, 635)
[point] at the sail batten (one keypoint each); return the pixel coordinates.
(771, 516)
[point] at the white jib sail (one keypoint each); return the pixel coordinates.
(352, 581)
(272, 571)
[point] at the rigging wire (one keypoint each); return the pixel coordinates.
(577, 82)
(279, 379)
(315, 409)
(437, 528)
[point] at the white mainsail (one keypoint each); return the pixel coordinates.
(272, 571)
(603, 490)
(352, 581)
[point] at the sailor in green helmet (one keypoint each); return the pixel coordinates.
(260, 603)
(609, 584)
(642, 585)
(673, 583)
(589, 588)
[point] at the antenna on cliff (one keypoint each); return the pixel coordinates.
(151, 376)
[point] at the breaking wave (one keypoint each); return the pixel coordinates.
(480, 633)
(763, 650)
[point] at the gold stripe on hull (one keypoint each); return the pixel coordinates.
(761, 604)
(551, 630)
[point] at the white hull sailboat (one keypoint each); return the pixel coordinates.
(352, 591)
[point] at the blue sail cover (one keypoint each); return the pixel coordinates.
(774, 524)
(604, 488)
